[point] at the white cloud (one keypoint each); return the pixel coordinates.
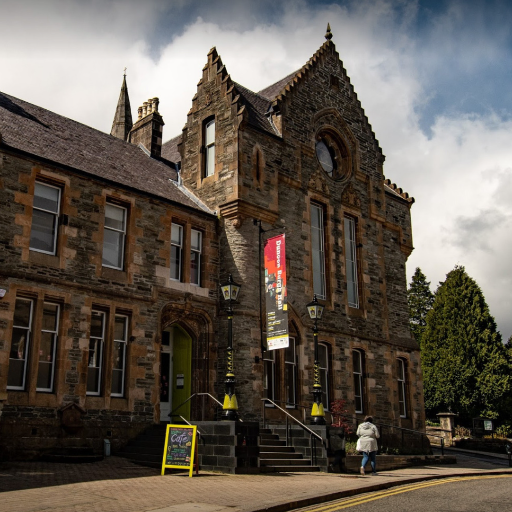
(460, 174)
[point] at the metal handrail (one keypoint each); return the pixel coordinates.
(171, 414)
(304, 427)
(312, 434)
(294, 405)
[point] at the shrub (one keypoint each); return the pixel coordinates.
(339, 418)
(461, 431)
(504, 430)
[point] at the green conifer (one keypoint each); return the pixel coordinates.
(464, 362)
(420, 300)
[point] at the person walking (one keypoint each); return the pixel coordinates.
(367, 443)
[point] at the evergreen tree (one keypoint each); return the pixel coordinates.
(420, 300)
(464, 362)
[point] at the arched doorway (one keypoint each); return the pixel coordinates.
(175, 373)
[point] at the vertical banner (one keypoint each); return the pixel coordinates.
(276, 293)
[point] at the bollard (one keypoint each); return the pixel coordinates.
(508, 448)
(106, 448)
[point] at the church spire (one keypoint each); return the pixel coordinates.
(123, 119)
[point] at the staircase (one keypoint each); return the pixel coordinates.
(276, 457)
(147, 449)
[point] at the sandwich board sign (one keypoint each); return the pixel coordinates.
(180, 450)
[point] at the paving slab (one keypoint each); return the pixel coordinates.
(115, 484)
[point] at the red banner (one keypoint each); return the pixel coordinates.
(276, 293)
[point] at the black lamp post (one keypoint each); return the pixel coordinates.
(230, 291)
(315, 310)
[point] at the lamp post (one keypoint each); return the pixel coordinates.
(230, 291)
(315, 310)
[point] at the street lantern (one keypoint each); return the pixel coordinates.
(316, 310)
(230, 291)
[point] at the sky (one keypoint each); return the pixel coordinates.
(434, 79)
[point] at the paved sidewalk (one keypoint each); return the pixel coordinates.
(115, 485)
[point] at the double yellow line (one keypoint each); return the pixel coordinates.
(351, 502)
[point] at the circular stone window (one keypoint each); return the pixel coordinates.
(325, 157)
(332, 155)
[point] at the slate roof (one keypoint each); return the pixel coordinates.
(47, 135)
(257, 106)
(170, 149)
(273, 90)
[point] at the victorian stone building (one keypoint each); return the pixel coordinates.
(113, 248)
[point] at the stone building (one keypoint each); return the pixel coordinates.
(113, 248)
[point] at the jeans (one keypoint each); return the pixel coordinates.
(369, 455)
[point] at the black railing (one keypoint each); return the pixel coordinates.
(313, 436)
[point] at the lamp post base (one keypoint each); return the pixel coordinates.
(317, 420)
(229, 415)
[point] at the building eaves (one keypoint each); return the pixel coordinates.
(38, 132)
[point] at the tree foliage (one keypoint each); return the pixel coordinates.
(464, 362)
(420, 300)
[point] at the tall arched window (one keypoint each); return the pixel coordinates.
(323, 362)
(358, 365)
(209, 148)
(402, 387)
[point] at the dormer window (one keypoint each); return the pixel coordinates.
(209, 146)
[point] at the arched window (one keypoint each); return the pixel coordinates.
(358, 372)
(209, 148)
(323, 363)
(402, 387)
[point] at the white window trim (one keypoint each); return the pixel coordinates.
(28, 340)
(321, 294)
(123, 369)
(54, 352)
(209, 144)
(359, 375)
(55, 221)
(122, 231)
(199, 254)
(101, 341)
(180, 252)
(351, 256)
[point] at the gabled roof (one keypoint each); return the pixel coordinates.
(273, 90)
(170, 149)
(257, 106)
(57, 139)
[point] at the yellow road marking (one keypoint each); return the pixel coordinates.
(392, 492)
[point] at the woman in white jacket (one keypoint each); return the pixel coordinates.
(367, 443)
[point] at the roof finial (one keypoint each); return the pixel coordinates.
(328, 34)
(125, 71)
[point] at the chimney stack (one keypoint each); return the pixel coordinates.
(148, 128)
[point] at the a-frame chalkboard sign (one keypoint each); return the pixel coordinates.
(180, 447)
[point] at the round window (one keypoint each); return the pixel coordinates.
(325, 157)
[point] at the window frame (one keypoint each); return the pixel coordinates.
(121, 247)
(351, 263)
(324, 373)
(358, 376)
(197, 252)
(321, 272)
(292, 367)
(209, 157)
(55, 214)
(28, 340)
(122, 370)
(179, 249)
(402, 386)
(269, 371)
(55, 342)
(101, 341)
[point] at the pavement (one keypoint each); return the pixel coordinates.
(115, 484)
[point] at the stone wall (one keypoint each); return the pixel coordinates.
(76, 280)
